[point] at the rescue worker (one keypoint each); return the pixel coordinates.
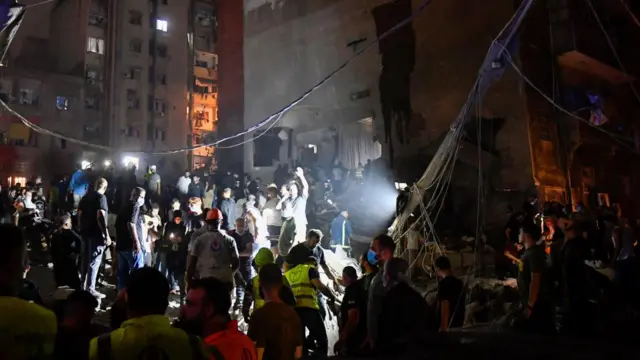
(27, 328)
(253, 292)
(147, 333)
(341, 232)
(213, 254)
(305, 283)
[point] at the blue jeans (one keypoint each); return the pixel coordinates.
(127, 262)
(92, 252)
(162, 266)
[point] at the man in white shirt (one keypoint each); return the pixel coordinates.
(272, 215)
(294, 210)
(183, 187)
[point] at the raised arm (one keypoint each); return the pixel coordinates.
(303, 181)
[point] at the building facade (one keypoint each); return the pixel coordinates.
(150, 73)
(203, 96)
(46, 99)
(405, 92)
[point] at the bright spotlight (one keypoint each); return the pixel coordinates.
(107, 163)
(84, 164)
(131, 160)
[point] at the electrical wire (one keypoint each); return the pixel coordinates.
(558, 106)
(613, 48)
(37, 4)
(631, 14)
(248, 130)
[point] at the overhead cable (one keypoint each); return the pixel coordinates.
(559, 107)
(613, 48)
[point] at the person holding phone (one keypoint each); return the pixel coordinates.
(171, 260)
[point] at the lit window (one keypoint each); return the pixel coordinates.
(62, 103)
(313, 147)
(162, 25)
(95, 45)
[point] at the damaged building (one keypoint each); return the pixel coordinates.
(398, 99)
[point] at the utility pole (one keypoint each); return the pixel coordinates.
(191, 78)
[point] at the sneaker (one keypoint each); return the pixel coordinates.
(97, 295)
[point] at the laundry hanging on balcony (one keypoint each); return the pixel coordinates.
(597, 116)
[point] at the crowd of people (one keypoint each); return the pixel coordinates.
(561, 259)
(231, 251)
(157, 248)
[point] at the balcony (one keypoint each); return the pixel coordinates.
(203, 73)
(580, 44)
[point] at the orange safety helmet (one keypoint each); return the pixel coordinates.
(214, 217)
(214, 214)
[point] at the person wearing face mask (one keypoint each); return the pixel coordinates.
(130, 234)
(381, 251)
(205, 314)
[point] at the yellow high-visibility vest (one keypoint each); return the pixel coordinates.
(258, 301)
(304, 291)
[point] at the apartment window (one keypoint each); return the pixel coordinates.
(63, 144)
(92, 74)
(160, 134)
(6, 90)
(203, 18)
(162, 79)
(95, 45)
(162, 25)
(135, 45)
(133, 101)
(133, 73)
(162, 50)
(159, 106)
(90, 133)
(96, 20)
(202, 89)
(202, 117)
(91, 103)
(28, 97)
(62, 103)
(135, 17)
(202, 64)
(33, 139)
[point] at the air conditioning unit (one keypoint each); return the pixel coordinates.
(160, 113)
(127, 75)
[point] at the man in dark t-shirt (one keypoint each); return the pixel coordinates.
(129, 235)
(533, 282)
(353, 314)
(93, 213)
(450, 296)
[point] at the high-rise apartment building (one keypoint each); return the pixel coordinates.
(149, 69)
(203, 94)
